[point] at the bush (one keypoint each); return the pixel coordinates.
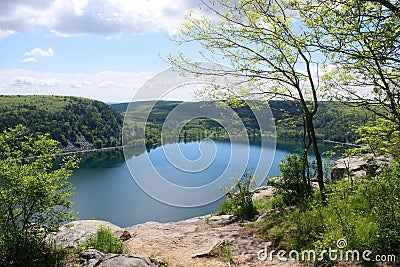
(276, 201)
(292, 185)
(34, 195)
(239, 199)
(103, 240)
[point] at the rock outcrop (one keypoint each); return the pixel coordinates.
(190, 242)
(359, 166)
(263, 193)
(183, 243)
(69, 235)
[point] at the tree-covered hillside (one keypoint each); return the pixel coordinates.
(334, 121)
(70, 120)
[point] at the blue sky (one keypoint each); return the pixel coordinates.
(101, 49)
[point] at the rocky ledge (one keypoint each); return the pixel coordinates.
(183, 243)
(359, 166)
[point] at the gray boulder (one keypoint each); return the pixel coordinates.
(359, 166)
(92, 258)
(69, 235)
(263, 193)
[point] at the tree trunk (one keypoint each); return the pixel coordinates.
(320, 170)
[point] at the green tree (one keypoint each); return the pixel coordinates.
(362, 41)
(265, 43)
(34, 194)
(383, 138)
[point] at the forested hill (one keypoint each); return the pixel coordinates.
(334, 120)
(74, 122)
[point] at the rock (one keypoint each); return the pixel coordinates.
(315, 185)
(214, 243)
(263, 193)
(189, 242)
(216, 220)
(125, 236)
(69, 235)
(92, 257)
(360, 166)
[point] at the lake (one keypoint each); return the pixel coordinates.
(106, 189)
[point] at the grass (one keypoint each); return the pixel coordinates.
(103, 240)
(222, 252)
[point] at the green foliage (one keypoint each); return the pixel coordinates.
(292, 185)
(223, 252)
(64, 118)
(34, 196)
(261, 205)
(365, 212)
(103, 240)
(361, 39)
(276, 201)
(383, 138)
(238, 201)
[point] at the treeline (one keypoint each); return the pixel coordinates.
(74, 122)
(79, 123)
(334, 121)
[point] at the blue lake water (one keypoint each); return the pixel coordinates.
(106, 189)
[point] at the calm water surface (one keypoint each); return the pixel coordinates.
(105, 189)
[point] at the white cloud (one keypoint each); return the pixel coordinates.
(107, 86)
(32, 81)
(109, 18)
(79, 84)
(5, 33)
(34, 54)
(28, 59)
(37, 52)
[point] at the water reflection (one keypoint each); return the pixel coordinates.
(105, 189)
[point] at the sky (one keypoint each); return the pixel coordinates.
(99, 49)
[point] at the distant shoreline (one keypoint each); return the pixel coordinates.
(84, 151)
(341, 143)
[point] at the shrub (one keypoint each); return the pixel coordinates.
(292, 185)
(238, 200)
(103, 240)
(276, 201)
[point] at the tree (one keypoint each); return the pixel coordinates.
(265, 42)
(34, 194)
(362, 41)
